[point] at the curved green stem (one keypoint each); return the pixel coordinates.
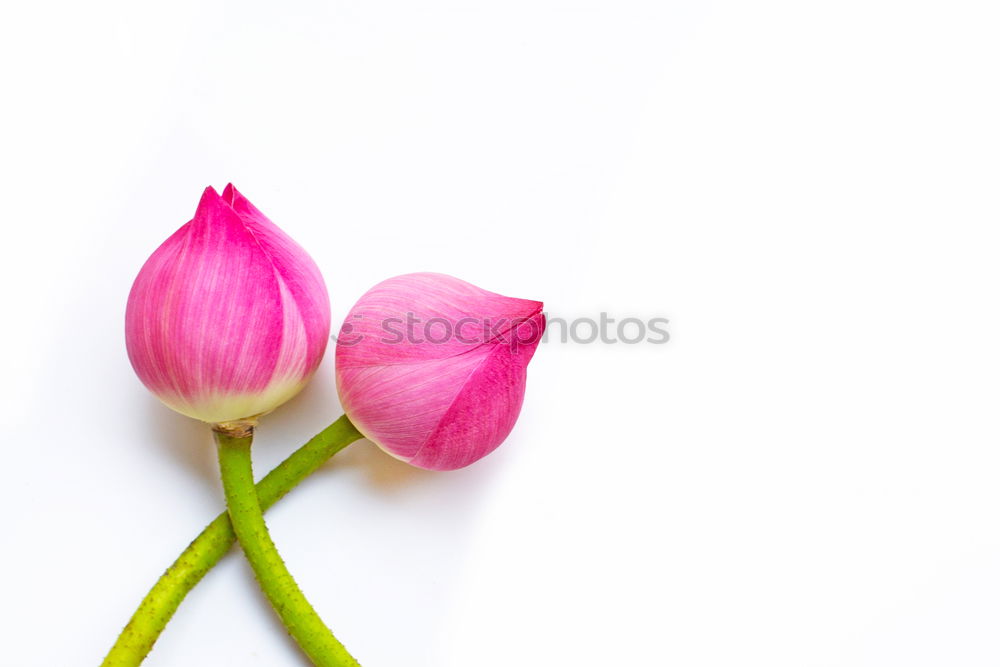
(301, 620)
(159, 605)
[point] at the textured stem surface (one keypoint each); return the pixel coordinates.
(211, 545)
(300, 619)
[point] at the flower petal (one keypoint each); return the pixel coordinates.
(420, 316)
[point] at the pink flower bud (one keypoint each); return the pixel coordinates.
(229, 318)
(432, 369)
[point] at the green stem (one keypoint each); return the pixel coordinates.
(156, 609)
(301, 620)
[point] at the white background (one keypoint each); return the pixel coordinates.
(805, 475)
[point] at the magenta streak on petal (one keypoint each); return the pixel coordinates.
(399, 409)
(297, 270)
(482, 413)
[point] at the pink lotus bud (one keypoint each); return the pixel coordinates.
(229, 318)
(432, 369)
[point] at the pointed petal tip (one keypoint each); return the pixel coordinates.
(536, 307)
(209, 200)
(239, 203)
(231, 195)
(213, 208)
(209, 193)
